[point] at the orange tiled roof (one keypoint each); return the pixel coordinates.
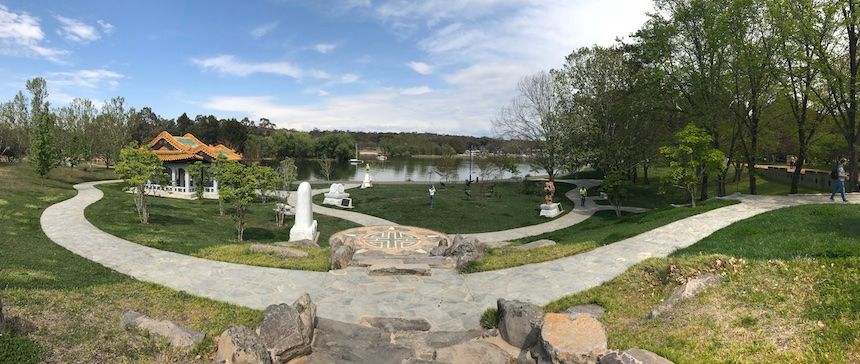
(188, 147)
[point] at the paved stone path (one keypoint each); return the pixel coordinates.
(447, 299)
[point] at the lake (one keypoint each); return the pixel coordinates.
(397, 170)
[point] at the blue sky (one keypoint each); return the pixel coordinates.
(389, 65)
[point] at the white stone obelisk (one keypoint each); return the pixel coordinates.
(305, 227)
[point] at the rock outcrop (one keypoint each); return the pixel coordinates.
(462, 249)
(342, 256)
(573, 340)
(691, 288)
(288, 331)
(177, 336)
(240, 345)
(519, 322)
(473, 352)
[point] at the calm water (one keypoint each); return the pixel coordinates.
(397, 170)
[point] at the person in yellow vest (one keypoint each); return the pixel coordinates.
(582, 193)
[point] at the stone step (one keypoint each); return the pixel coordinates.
(399, 269)
(363, 260)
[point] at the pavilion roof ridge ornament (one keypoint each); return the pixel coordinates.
(191, 150)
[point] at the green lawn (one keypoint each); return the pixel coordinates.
(66, 309)
(792, 293)
(515, 205)
(601, 229)
(195, 228)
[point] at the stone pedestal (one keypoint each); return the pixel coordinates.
(550, 210)
(305, 227)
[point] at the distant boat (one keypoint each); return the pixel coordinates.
(381, 157)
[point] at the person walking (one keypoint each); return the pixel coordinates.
(839, 176)
(582, 193)
(432, 195)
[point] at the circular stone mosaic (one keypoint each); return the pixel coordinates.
(391, 239)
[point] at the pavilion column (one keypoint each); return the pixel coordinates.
(215, 185)
(173, 176)
(187, 181)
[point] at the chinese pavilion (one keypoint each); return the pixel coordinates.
(176, 153)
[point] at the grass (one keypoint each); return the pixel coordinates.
(600, 229)
(515, 205)
(66, 309)
(792, 293)
(195, 228)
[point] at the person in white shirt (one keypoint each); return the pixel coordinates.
(432, 195)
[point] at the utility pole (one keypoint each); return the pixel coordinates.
(470, 163)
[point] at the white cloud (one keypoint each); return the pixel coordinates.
(228, 65)
(76, 30)
(264, 29)
(325, 48)
(21, 35)
(349, 78)
(416, 90)
(420, 67)
(107, 28)
(94, 78)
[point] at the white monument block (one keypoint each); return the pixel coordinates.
(550, 210)
(305, 227)
(336, 195)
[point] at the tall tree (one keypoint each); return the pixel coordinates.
(112, 123)
(184, 124)
(43, 153)
(534, 117)
(690, 157)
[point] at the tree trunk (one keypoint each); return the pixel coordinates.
(692, 198)
(852, 166)
(751, 161)
(645, 179)
(220, 206)
(703, 194)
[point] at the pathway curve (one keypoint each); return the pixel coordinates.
(448, 300)
(577, 215)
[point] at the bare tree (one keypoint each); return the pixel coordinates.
(326, 167)
(533, 117)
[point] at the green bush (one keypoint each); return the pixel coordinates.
(490, 318)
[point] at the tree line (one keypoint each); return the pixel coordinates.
(762, 78)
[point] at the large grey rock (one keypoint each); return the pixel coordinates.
(341, 256)
(288, 331)
(394, 269)
(340, 342)
(535, 244)
(177, 336)
(633, 356)
(578, 340)
(392, 324)
(240, 345)
(283, 251)
(519, 322)
(464, 250)
(471, 352)
(691, 288)
(595, 311)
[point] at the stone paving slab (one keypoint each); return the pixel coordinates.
(447, 299)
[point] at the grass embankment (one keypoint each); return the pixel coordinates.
(515, 204)
(792, 293)
(195, 228)
(66, 309)
(600, 229)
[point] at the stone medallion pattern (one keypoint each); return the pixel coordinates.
(392, 239)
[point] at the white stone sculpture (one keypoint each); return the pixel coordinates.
(550, 210)
(335, 195)
(305, 227)
(368, 181)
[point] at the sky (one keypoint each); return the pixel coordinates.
(440, 66)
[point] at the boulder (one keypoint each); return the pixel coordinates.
(307, 243)
(391, 269)
(240, 345)
(341, 256)
(471, 352)
(519, 322)
(578, 340)
(595, 311)
(288, 331)
(438, 251)
(279, 250)
(340, 342)
(392, 324)
(691, 288)
(632, 356)
(177, 336)
(535, 244)
(464, 250)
